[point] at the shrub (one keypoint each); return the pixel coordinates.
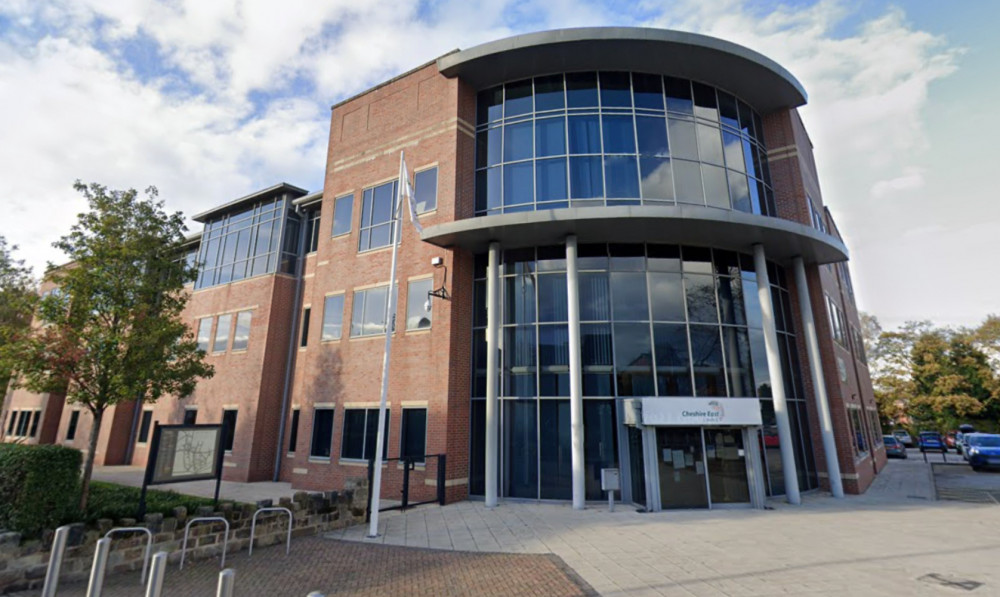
(39, 487)
(108, 500)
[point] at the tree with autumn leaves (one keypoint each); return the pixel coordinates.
(112, 332)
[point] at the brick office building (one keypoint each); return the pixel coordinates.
(641, 209)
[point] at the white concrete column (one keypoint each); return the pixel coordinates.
(492, 373)
(819, 383)
(777, 379)
(575, 377)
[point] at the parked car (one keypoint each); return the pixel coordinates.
(983, 450)
(930, 441)
(904, 437)
(949, 440)
(893, 447)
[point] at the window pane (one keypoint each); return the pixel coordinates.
(633, 359)
(739, 192)
(418, 316)
(322, 437)
(519, 299)
(731, 300)
(374, 317)
(704, 102)
(657, 180)
(621, 176)
(293, 432)
(304, 338)
(204, 333)
(517, 141)
(521, 442)
(190, 416)
(553, 356)
(222, 333)
(517, 98)
(552, 299)
(518, 184)
(549, 93)
(667, 294)
(145, 425)
(683, 142)
(425, 185)
(413, 434)
(242, 336)
(581, 90)
(709, 144)
(371, 433)
(700, 292)
(630, 301)
(716, 187)
(353, 443)
(651, 134)
(732, 147)
(488, 145)
(678, 92)
(673, 364)
(228, 429)
(488, 196)
(600, 449)
(550, 136)
(554, 450)
(550, 180)
(706, 354)
(490, 105)
(616, 90)
(619, 134)
(595, 297)
(647, 90)
(519, 361)
(687, 182)
(585, 177)
(738, 363)
(596, 359)
(584, 134)
(727, 110)
(333, 317)
(664, 258)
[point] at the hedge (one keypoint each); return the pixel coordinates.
(109, 500)
(39, 487)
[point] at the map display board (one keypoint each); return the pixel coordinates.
(186, 453)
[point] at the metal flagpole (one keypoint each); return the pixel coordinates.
(390, 313)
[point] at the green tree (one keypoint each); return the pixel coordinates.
(113, 332)
(952, 378)
(17, 299)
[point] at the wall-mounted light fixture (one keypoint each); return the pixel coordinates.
(442, 292)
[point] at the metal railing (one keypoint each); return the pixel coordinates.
(409, 464)
(187, 529)
(253, 527)
(149, 546)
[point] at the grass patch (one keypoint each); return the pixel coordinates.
(110, 500)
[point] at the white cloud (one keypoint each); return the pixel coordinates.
(911, 179)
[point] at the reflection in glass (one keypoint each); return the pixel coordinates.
(682, 139)
(616, 91)
(666, 292)
(678, 92)
(585, 177)
(716, 188)
(518, 186)
(621, 176)
(550, 180)
(630, 301)
(619, 134)
(634, 359)
(518, 98)
(595, 297)
(519, 299)
(657, 179)
(600, 448)
(584, 134)
(647, 91)
(709, 144)
(552, 301)
(555, 450)
(581, 90)
(521, 442)
(550, 136)
(519, 361)
(700, 292)
(595, 357)
(673, 363)
(553, 360)
(549, 93)
(706, 358)
(687, 182)
(738, 363)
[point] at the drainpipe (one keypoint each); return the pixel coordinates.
(292, 340)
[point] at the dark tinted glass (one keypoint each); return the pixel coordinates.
(293, 432)
(586, 177)
(706, 357)
(739, 366)
(488, 145)
(521, 441)
(647, 91)
(490, 105)
(477, 448)
(592, 256)
(549, 93)
(552, 299)
(519, 361)
(144, 424)
(629, 300)
(550, 180)
(518, 184)
(619, 134)
(634, 360)
(673, 363)
(553, 360)
(678, 92)
(595, 298)
(584, 134)
(705, 105)
(413, 433)
(651, 133)
(554, 450)
(627, 257)
(518, 98)
(550, 136)
(228, 429)
(518, 142)
(600, 448)
(664, 258)
(581, 90)
(666, 292)
(519, 299)
(700, 294)
(425, 184)
(595, 356)
(728, 113)
(322, 435)
(615, 90)
(621, 177)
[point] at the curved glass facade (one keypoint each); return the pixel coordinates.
(617, 138)
(655, 320)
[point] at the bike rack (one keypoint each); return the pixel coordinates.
(187, 529)
(253, 527)
(149, 546)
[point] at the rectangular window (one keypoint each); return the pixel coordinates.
(228, 429)
(876, 427)
(222, 333)
(413, 434)
(837, 322)
(418, 303)
(293, 432)
(858, 433)
(190, 416)
(312, 230)
(22, 423)
(360, 434)
(34, 423)
(74, 420)
(145, 424)
(322, 433)
(204, 333)
(333, 317)
(12, 422)
(241, 338)
(368, 312)
(425, 186)
(343, 208)
(304, 336)
(378, 204)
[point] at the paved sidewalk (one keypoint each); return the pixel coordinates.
(342, 568)
(895, 540)
(248, 493)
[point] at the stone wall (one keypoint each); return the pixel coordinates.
(23, 563)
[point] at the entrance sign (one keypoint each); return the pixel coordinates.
(700, 411)
(183, 453)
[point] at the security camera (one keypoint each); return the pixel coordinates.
(437, 261)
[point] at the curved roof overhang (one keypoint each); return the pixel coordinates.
(676, 224)
(755, 78)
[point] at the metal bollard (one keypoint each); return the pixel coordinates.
(55, 562)
(227, 581)
(156, 573)
(96, 583)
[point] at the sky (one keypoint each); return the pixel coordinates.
(210, 100)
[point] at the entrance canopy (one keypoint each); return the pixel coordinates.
(730, 412)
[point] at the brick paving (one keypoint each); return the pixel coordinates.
(342, 568)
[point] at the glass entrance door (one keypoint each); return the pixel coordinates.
(680, 457)
(727, 466)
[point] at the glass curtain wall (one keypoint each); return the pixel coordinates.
(617, 138)
(656, 320)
